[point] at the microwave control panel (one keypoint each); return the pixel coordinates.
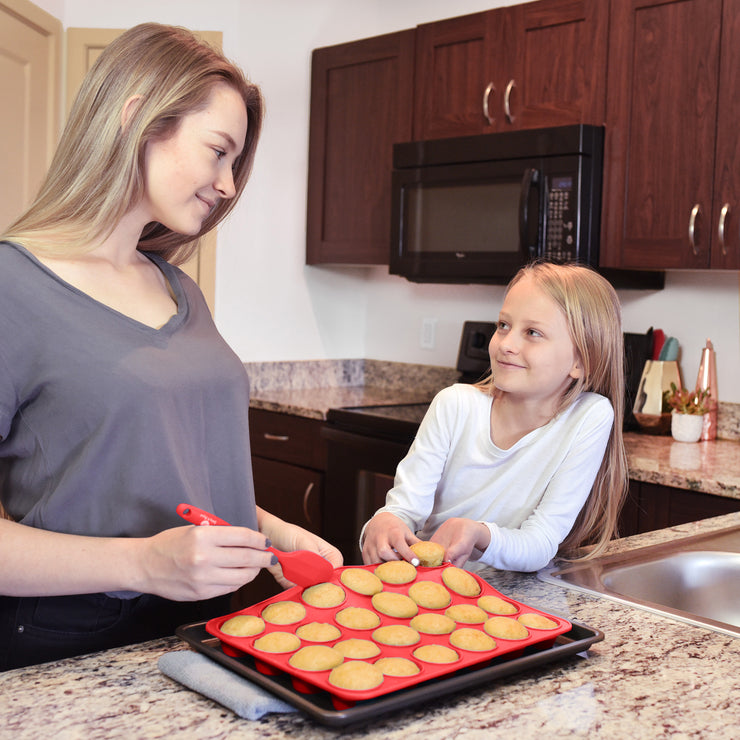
(561, 218)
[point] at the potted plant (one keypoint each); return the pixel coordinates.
(687, 412)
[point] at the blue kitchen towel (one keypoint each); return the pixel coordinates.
(203, 675)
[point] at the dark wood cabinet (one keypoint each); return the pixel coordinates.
(524, 66)
(361, 104)
(671, 146)
(650, 506)
(288, 463)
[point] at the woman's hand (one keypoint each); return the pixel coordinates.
(193, 563)
(459, 537)
(387, 538)
(289, 537)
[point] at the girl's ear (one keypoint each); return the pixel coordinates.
(576, 371)
(129, 109)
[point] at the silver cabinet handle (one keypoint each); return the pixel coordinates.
(695, 211)
(721, 228)
(306, 496)
(507, 101)
(276, 437)
(486, 97)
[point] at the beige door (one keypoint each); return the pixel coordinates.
(30, 43)
(83, 47)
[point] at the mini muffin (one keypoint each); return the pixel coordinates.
(355, 648)
(284, 612)
(324, 595)
(429, 594)
(396, 666)
(361, 581)
(277, 642)
(432, 624)
(435, 654)
(505, 628)
(356, 675)
(460, 581)
(495, 605)
(396, 634)
(243, 625)
(316, 658)
(469, 638)
(430, 554)
(395, 605)
(357, 618)
(466, 613)
(396, 571)
(537, 621)
(318, 632)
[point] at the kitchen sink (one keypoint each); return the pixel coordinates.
(694, 579)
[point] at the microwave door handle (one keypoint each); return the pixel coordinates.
(531, 178)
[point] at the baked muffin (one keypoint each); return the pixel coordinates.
(460, 581)
(466, 613)
(316, 658)
(324, 595)
(243, 625)
(469, 638)
(397, 666)
(537, 621)
(283, 612)
(430, 554)
(396, 571)
(396, 635)
(356, 675)
(496, 605)
(357, 649)
(318, 632)
(357, 618)
(361, 581)
(277, 642)
(435, 654)
(430, 594)
(395, 605)
(432, 624)
(505, 628)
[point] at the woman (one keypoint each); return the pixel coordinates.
(118, 397)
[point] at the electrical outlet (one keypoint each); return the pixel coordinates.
(428, 333)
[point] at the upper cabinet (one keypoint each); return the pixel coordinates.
(671, 179)
(524, 66)
(361, 97)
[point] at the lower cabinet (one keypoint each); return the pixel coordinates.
(288, 463)
(650, 506)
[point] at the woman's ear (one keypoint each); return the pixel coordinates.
(129, 109)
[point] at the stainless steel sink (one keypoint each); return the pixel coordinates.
(694, 579)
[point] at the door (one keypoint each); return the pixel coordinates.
(660, 133)
(84, 45)
(30, 44)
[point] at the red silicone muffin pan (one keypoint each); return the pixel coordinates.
(314, 681)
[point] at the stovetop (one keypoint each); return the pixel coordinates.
(387, 422)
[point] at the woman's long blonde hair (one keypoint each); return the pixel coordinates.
(594, 317)
(97, 172)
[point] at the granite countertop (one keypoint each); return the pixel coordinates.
(651, 676)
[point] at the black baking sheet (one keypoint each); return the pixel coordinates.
(319, 706)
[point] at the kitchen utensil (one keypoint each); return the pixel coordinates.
(658, 342)
(302, 567)
(669, 353)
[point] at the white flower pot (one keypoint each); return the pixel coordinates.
(686, 427)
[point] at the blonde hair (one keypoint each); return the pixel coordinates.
(594, 317)
(97, 172)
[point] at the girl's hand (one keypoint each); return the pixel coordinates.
(190, 563)
(387, 538)
(459, 537)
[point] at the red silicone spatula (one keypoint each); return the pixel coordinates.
(302, 567)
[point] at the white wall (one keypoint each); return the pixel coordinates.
(269, 305)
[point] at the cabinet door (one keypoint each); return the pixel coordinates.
(663, 70)
(361, 104)
(726, 216)
(552, 54)
(453, 89)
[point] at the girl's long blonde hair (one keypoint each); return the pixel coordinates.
(594, 317)
(97, 172)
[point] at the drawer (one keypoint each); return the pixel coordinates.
(292, 439)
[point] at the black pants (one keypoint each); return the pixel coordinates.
(40, 629)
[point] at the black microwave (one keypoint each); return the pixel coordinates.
(474, 209)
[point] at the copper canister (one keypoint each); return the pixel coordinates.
(707, 380)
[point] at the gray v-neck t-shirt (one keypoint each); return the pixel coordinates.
(106, 424)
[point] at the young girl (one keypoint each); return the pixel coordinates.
(119, 399)
(530, 461)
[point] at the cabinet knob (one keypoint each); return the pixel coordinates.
(721, 228)
(486, 98)
(695, 212)
(507, 101)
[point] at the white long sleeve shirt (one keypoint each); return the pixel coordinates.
(528, 495)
